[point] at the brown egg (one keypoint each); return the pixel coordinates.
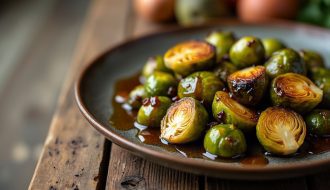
(260, 10)
(155, 10)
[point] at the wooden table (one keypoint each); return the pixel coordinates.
(75, 156)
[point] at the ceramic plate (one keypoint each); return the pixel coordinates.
(95, 89)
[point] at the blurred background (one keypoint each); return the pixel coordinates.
(37, 42)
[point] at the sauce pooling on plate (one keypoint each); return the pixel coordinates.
(124, 119)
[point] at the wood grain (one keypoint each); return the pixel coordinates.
(73, 151)
(287, 184)
(127, 171)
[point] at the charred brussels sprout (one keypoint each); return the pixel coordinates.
(321, 77)
(224, 69)
(136, 96)
(200, 85)
(285, 61)
(246, 52)
(184, 121)
(318, 122)
(160, 84)
(222, 42)
(188, 57)
(249, 85)
(296, 92)
(312, 59)
(281, 131)
(153, 64)
(271, 45)
(225, 140)
(153, 110)
(228, 111)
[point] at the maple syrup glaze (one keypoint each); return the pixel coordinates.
(124, 119)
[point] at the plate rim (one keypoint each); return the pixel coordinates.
(199, 166)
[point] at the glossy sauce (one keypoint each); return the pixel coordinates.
(123, 119)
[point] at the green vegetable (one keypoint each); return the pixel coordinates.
(246, 52)
(281, 131)
(318, 122)
(136, 96)
(272, 45)
(249, 85)
(296, 92)
(228, 111)
(192, 12)
(160, 84)
(190, 56)
(225, 140)
(184, 121)
(312, 59)
(285, 61)
(224, 69)
(321, 77)
(316, 12)
(153, 64)
(200, 85)
(222, 41)
(153, 110)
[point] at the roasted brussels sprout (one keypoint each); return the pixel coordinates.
(246, 52)
(228, 111)
(296, 92)
(321, 77)
(249, 85)
(224, 69)
(318, 122)
(200, 85)
(285, 61)
(160, 84)
(153, 110)
(136, 96)
(222, 41)
(184, 121)
(271, 45)
(153, 64)
(312, 59)
(225, 140)
(281, 131)
(188, 57)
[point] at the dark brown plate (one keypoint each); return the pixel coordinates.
(95, 87)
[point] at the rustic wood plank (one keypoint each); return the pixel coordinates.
(127, 171)
(287, 184)
(30, 94)
(73, 153)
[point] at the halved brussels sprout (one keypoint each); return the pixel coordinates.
(296, 92)
(321, 77)
(136, 96)
(160, 84)
(271, 45)
(153, 64)
(281, 131)
(222, 42)
(153, 110)
(225, 140)
(249, 85)
(312, 59)
(285, 61)
(200, 85)
(224, 69)
(228, 111)
(246, 52)
(184, 121)
(318, 122)
(190, 56)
